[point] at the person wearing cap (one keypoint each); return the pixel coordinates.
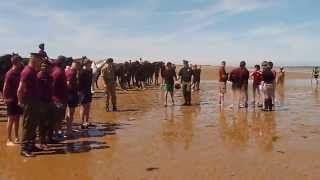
(109, 79)
(46, 109)
(59, 97)
(11, 84)
(185, 74)
(42, 52)
(28, 98)
(73, 97)
(85, 94)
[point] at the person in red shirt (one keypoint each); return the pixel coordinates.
(45, 85)
(11, 84)
(28, 97)
(223, 77)
(59, 96)
(239, 78)
(73, 98)
(257, 78)
(274, 72)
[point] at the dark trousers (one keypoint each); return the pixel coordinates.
(46, 121)
(30, 123)
(111, 94)
(186, 89)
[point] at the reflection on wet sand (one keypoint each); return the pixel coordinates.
(234, 131)
(144, 140)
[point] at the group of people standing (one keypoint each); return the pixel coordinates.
(45, 94)
(263, 87)
(189, 76)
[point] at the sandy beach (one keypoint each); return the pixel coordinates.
(145, 140)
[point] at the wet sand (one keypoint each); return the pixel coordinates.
(148, 141)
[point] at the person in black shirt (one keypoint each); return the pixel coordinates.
(185, 75)
(169, 78)
(268, 86)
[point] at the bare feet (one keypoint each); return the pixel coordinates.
(10, 143)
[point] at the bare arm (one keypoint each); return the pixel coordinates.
(5, 91)
(20, 91)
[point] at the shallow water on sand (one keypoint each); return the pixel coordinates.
(145, 140)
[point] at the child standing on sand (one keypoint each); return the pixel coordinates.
(257, 78)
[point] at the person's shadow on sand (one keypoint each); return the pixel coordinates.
(78, 146)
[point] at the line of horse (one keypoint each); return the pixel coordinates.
(130, 74)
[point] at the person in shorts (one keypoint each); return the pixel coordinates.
(223, 77)
(11, 84)
(72, 91)
(257, 78)
(170, 77)
(85, 95)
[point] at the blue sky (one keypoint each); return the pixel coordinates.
(202, 31)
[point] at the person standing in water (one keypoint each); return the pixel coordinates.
(185, 75)
(109, 79)
(315, 75)
(244, 79)
(268, 86)
(257, 78)
(169, 78)
(11, 84)
(196, 77)
(223, 77)
(73, 97)
(85, 81)
(281, 76)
